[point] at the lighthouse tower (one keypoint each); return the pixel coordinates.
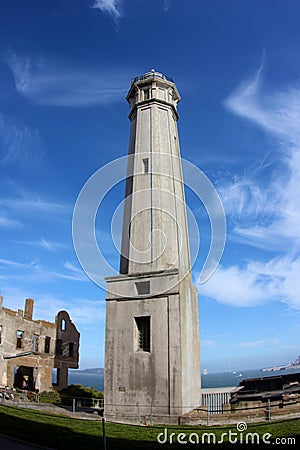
(152, 348)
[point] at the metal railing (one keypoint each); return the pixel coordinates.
(150, 413)
(152, 74)
(74, 404)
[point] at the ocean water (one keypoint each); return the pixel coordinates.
(211, 380)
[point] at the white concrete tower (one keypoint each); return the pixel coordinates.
(154, 213)
(152, 362)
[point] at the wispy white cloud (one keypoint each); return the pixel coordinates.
(85, 311)
(246, 287)
(61, 83)
(208, 343)
(17, 264)
(275, 112)
(256, 283)
(50, 245)
(81, 310)
(69, 276)
(265, 238)
(73, 273)
(251, 344)
(43, 243)
(258, 343)
(242, 197)
(39, 273)
(274, 208)
(7, 222)
(13, 297)
(110, 7)
(18, 211)
(73, 268)
(19, 144)
(31, 203)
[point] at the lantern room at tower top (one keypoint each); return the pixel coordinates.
(153, 86)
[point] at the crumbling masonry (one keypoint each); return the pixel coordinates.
(31, 349)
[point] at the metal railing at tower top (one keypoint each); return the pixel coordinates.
(153, 74)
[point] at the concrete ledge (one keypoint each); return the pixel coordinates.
(127, 286)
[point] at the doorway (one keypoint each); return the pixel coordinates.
(24, 378)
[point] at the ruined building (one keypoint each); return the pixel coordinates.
(67, 346)
(31, 349)
(152, 348)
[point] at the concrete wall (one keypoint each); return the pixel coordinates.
(30, 363)
(163, 382)
(251, 411)
(41, 362)
(190, 344)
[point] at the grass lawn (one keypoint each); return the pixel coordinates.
(65, 433)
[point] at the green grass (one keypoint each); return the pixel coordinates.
(65, 433)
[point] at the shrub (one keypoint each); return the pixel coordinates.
(78, 391)
(50, 397)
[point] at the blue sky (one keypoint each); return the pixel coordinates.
(65, 69)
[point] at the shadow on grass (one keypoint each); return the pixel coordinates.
(61, 433)
(60, 437)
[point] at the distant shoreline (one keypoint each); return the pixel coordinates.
(100, 370)
(276, 368)
(95, 377)
(90, 371)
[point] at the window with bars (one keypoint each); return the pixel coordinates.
(142, 333)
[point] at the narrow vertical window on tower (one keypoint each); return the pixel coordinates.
(0, 334)
(142, 341)
(146, 94)
(146, 165)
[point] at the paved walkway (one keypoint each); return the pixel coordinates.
(89, 413)
(9, 443)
